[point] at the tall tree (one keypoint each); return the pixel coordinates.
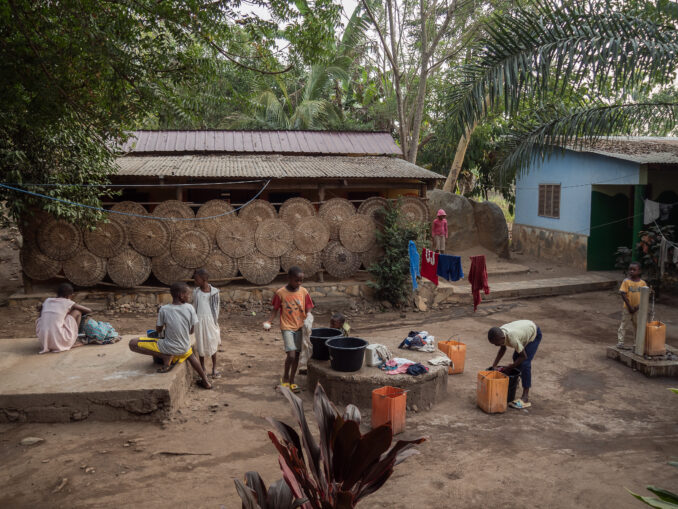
(76, 74)
(618, 58)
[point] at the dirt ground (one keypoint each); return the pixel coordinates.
(595, 429)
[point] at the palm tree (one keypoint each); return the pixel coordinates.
(586, 69)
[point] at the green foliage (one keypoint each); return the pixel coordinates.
(339, 470)
(591, 69)
(75, 75)
(392, 273)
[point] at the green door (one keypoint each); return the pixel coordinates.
(609, 229)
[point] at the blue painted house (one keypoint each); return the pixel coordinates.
(578, 207)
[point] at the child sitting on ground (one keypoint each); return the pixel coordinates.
(59, 320)
(293, 302)
(207, 334)
(177, 321)
(630, 294)
(338, 321)
(524, 337)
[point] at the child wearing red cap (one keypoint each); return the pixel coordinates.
(439, 231)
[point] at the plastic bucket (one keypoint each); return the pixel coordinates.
(491, 391)
(346, 354)
(514, 378)
(389, 406)
(318, 338)
(655, 338)
(456, 351)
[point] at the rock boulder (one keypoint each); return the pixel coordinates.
(492, 229)
(461, 223)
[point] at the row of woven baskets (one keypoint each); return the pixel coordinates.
(256, 242)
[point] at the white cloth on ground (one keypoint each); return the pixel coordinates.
(384, 353)
(306, 347)
(440, 360)
(207, 333)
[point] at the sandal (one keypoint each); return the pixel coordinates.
(520, 404)
(201, 383)
(166, 369)
(294, 388)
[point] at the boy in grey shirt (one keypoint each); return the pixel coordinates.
(177, 321)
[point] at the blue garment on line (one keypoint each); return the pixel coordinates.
(449, 267)
(414, 263)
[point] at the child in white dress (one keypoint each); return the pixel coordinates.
(207, 334)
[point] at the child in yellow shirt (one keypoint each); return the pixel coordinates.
(630, 294)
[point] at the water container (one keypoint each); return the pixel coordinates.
(655, 338)
(456, 351)
(346, 354)
(318, 339)
(389, 406)
(513, 376)
(492, 391)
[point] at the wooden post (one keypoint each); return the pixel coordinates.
(321, 194)
(638, 208)
(642, 320)
(28, 283)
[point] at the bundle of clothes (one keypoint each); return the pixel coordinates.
(421, 341)
(93, 332)
(400, 366)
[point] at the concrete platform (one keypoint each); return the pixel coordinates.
(424, 391)
(648, 367)
(100, 382)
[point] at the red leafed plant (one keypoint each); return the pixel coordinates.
(336, 473)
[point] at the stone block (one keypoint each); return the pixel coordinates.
(164, 298)
(353, 290)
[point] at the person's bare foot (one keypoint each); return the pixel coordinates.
(77, 344)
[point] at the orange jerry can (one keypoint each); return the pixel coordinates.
(456, 351)
(389, 405)
(492, 391)
(655, 338)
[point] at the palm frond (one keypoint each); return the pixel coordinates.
(552, 128)
(539, 49)
(309, 114)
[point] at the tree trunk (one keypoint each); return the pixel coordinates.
(451, 182)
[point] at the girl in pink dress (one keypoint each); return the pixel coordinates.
(57, 325)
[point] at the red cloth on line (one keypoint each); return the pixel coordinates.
(429, 266)
(478, 278)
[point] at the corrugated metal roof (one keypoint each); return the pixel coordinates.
(270, 142)
(637, 149)
(272, 166)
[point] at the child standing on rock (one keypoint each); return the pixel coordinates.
(293, 302)
(630, 294)
(439, 231)
(206, 302)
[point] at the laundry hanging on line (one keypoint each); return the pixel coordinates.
(449, 267)
(478, 278)
(414, 263)
(429, 265)
(654, 210)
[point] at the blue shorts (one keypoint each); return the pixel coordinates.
(292, 340)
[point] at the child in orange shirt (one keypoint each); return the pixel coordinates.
(293, 302)
(630, 294)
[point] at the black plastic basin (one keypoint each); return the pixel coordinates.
(318, 338)
(346, 354)
(514, 376)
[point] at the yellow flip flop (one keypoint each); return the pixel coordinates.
(294, 388)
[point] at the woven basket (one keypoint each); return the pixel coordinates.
(413, 210)
(236, 239)
(85, 269)
(259, 269)
(214, 208)
(339, 261)
(273, 237)
(373, 207)
(36, 265)
(150, 237)
(168, 271)
(190, 248)
(335, 212)
(257, 211)
(176, 209)
(357, 234)
(129, 207)
(296, 209)
(220, 266)
(311, 235)
(309, 263)
(59, 239)
(108, 238)
(129, 268)
(372, 255)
